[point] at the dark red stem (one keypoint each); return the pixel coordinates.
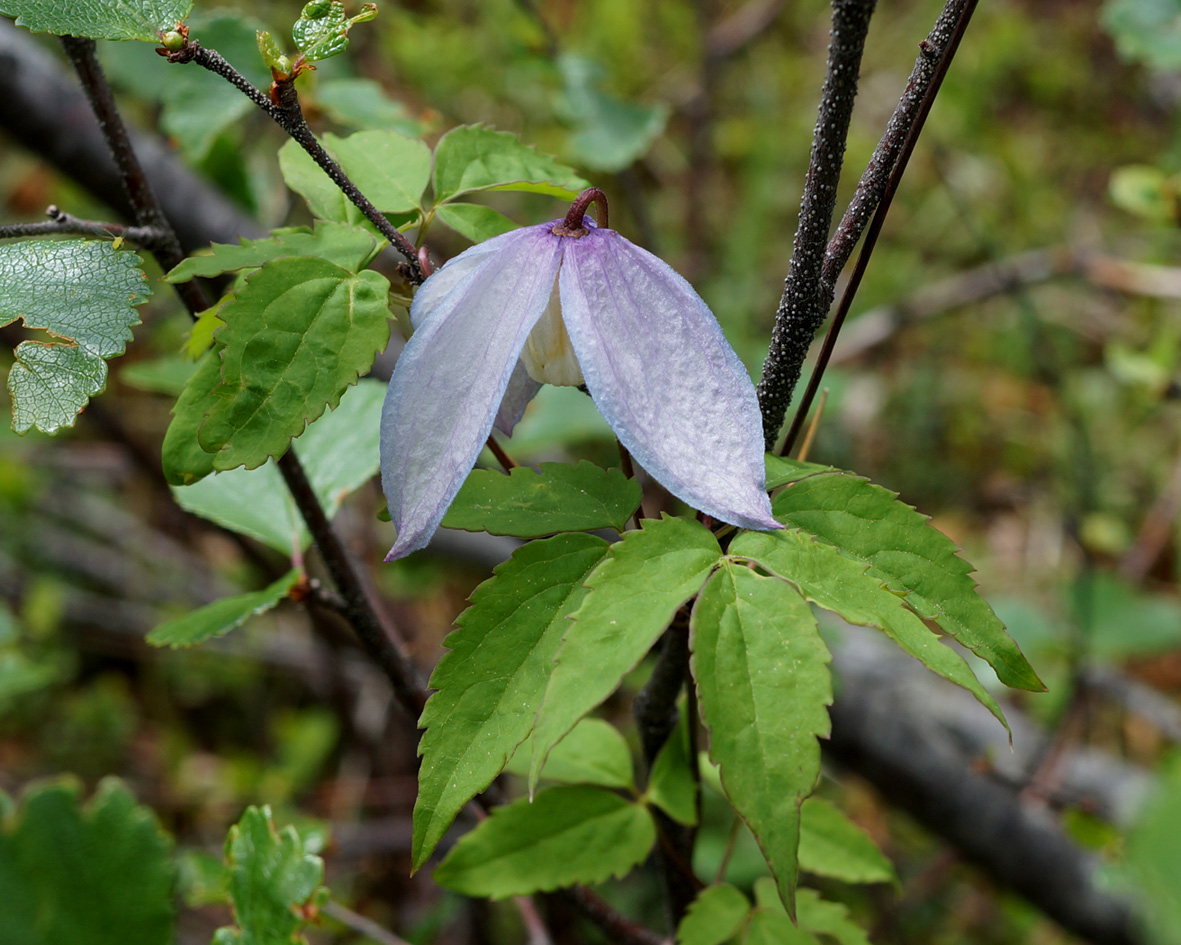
(572, 225)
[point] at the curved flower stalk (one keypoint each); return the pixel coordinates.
(568, 302)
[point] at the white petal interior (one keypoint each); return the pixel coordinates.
(548, 356)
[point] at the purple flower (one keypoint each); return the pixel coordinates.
(567, 302)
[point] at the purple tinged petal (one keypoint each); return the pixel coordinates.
(521, 389)
(665, 378)
(444, 279)
(452, 375)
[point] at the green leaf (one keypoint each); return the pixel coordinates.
(322, 30)
(559, 498)
(100, 873)
(339, 453)
(1153, 856)
(907, 555)
(475, 222)
(1147, 31)
(593, 753)
(671, 784)
(364, 105)
(183, 459)
(635, 593)
(492, 680)
(830, 919)
(1145, 191)
(838, 583)
(609, 134)
(762, 677)
(472, 157)
(296, 336)
(270, 878)
(220, 617)
(346, 246)
(769, 924)
(831, 845)
(144, 20)
(83, 292)
(164, 375)
(714, 917)
(567, 835)
(390, 169)
(781, 470)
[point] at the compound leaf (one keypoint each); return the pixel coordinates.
(910, 557)
(635, 593)
(83, 292)
(843, 585)
(762, 677)
(472, 157)
(222, 616)
(568, 834)
(491, 682)
(296, 336)
(560, 498)
(101, 873)
(145, 20)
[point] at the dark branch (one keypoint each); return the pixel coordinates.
(796, 320)
(65, 224)
(917, 118)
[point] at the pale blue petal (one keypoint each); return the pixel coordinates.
(452, 375)
(446, 277)
(665, 378)
(521, 389)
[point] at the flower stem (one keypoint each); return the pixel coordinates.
(573, 224)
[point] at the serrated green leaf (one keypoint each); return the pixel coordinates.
(593, 753)
(100, 873)
(83, 292)
(474, 221)
(841, 584)
(832, 845)
(781, 470)
(390, 169)
(339, 453)
(296, 336)
(830, 919)
(220, 617)
(363, 104)
(50, 384)
(346, 246)
(762, 679)
(769, 923)
(635, 593)
(322, 30)
(609, 134)
(144, 20)
(201, 334)
(567, 835)
(270, 877)
(867, 522)
(472, 157)
(181, 455)
(560, 498)
(714, 916)
(491, 682)
(671, 784)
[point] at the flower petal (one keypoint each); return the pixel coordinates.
(445, 278)
(521, 389)
(665, 378)
(452, 375)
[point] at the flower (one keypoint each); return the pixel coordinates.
(568, 302)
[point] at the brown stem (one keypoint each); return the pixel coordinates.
(965, 9)
(573, 225)
(62, 223)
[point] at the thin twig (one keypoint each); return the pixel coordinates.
(796, 320)
(361, 924)
(965, 9)
(61, 223)
(619, 929)
(286, 112)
